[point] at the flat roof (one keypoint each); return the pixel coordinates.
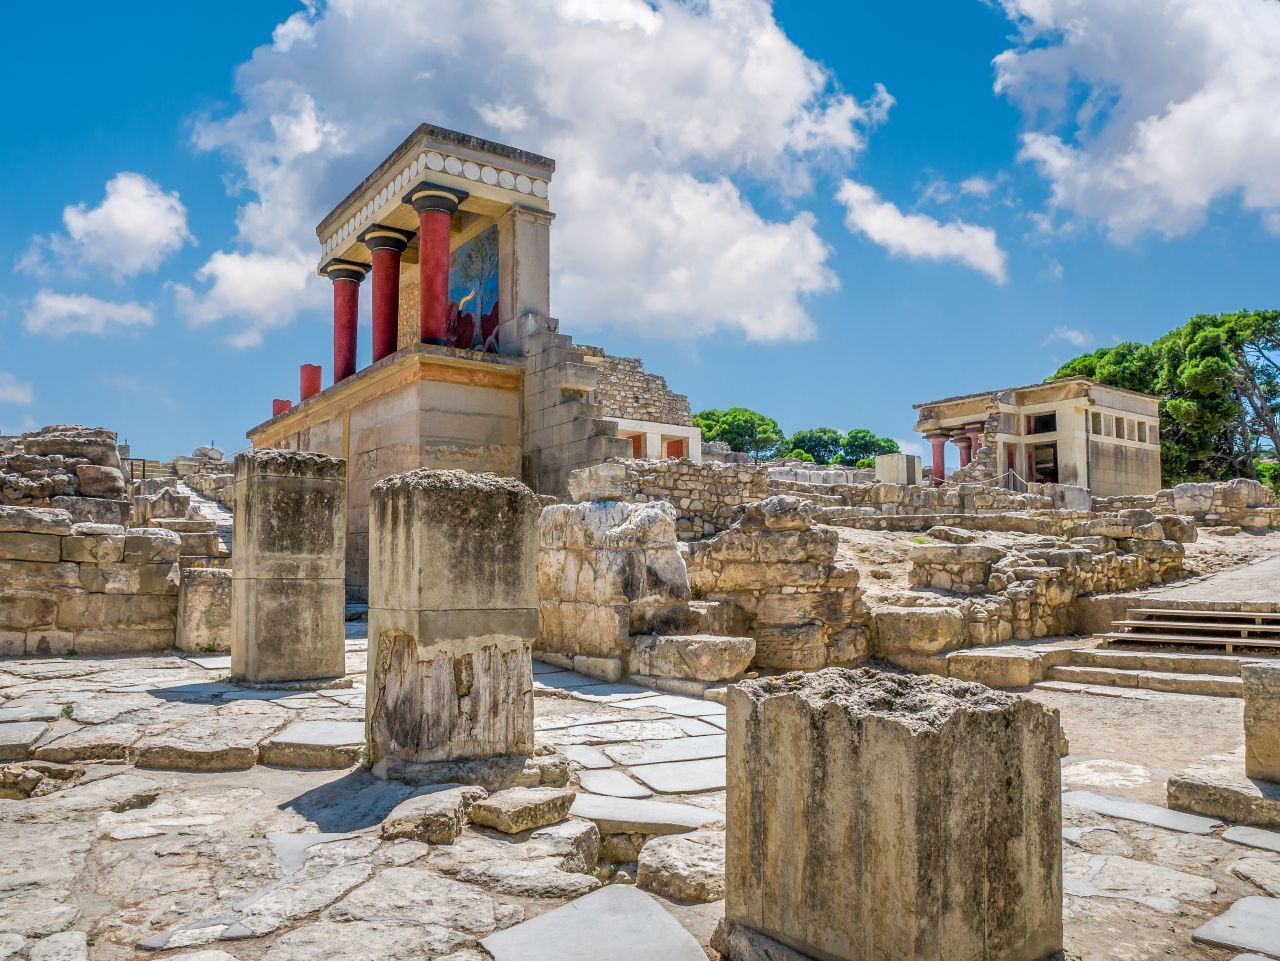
(1044, 383)
(446, 136)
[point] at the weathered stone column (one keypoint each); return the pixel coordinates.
(346, 276)
(288, 566)
(939, 444)
(1261, 720)
(436, 205)
(887, 817)
(385, 244)
(453, 613)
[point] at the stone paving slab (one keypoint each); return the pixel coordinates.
(18, 737)
(542, 667)
(683, 777)
(587, 757)
(1251, 924)
(564, 681)
(661, 752)
(1124, 808)
(1253, 837)
(1216, 785)
(635, 926)
(315, 744)
(612, 783)
(681, 706)
(695, 726)
(627, 816)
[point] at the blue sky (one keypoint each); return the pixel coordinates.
(824, 211)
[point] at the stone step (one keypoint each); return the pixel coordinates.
(1139, 660)
(1214, 685)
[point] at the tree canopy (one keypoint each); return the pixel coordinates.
(742, 429)
(753, 433)
(1218, 381)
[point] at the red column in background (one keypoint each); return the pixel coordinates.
(962, 443)
(436, 205)
(975, 440)
(939, 443)
(346, 276)
(279, 406)
(309, 380)
(385, 244)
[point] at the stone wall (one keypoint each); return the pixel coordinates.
(88, 588)
(217, 487)
(1242, 503)
(625, 391)
(781, 568)
(66, 466)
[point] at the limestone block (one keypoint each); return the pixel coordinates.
(89, 546)
(930, 804)
(287, 628)
(918, 630)
(1261, 720)
(98, 481)
(150, 545)
(93, 510)
(453, 612)
(1180, 529)
(694, 657)
(600, 482)
(801, 647)
(34, 520)
(684, 867)
(26, 610)
(204, 610)
(437, 816)
(605, 668)
(291, 520)
(78, 612)
(587, 629)
(522, 809)
(19, 546)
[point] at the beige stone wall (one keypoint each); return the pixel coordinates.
(624, 390)
(89, 588)
(1241, 503)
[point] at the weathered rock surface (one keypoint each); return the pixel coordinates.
(416, 896)
(684, 867)
(437, 817)
(521, 809)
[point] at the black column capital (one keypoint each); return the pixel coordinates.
(382, 237)
(429, 196)
(338, 269)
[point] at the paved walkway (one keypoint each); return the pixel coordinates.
(211, 510)
(1256, 583)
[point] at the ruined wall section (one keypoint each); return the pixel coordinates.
(1242, 503)
(624, 390)
(83, 587)
(66, 466)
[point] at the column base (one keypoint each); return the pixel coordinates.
(435, 341)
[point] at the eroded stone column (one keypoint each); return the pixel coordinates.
(453, 613)
(288, 566)
(875, 816)
(1261, 720)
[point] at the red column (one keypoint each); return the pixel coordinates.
(279, 406)
(962, 443)
(975, 440)
(939, 443)
(436, 205)
(309, 380)
(346, 276)
(385, 244)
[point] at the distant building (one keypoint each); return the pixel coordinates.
(1072, 431)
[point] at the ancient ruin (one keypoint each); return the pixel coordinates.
(478, 654)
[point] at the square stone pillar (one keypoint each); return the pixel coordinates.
(453, 613)
(288, 566)
(1261, 720)
(886, 817)
(524, 271)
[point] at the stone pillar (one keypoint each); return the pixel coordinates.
(346, 276)
(385, 244)
(436, 205)
(1261, 720)
(288, 593)
(939, 444)
(453, 614)
(961, 440)
(280, 406)
(309, 380)
(524, 272)
(875, 816)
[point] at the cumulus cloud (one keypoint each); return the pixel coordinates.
(262, 289)
(1142, 115)
(136, 228)
(918, 236)
(14, 391)
(60, 314)
(1071, 335)
(661, 117)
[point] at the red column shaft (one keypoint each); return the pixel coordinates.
(279, 406)
(386, 300)
(433, 274)
(309, 380)
(975, 443)
(962, 442)
(939, 458)
(346, 306)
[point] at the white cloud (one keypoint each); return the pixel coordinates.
(914, 446)
(60, 314)
(659, 115)
(1071, 335)
(136, 228)
(1144, 114)
(14, 391)
(918, 236)
(977, 186)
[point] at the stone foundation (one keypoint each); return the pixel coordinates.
(875, 816)
(204, 610)
(1261, 689)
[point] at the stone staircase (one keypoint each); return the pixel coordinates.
(1179, 651)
